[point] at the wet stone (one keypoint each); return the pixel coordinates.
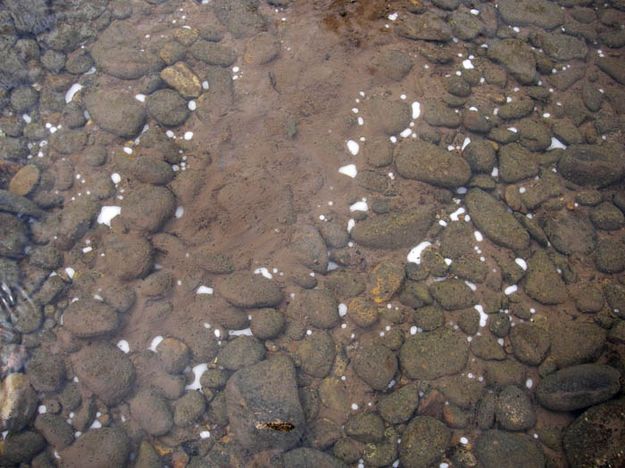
(13, 236)
(241, 352)
(390, 116)
(542, 281)
(562, 47)
(516, 163)
(426, 27)
(578, 387)
(378, 153)
(375, 364)
(398, 406)
(480, 155)
(486, 347)
(434, 354)
(429, 163)
(173, 354)
(98, 447)
(513, 409)
(508, 450)
(55, 430)
(167, 107)
(213, 54)
(576, 342)
(88, 318)
(592, 165)
(21, 448)
(316, 353)
(127, 256)
(18, 402)
(507, 372)
(182, 79)
(437, 114)
(240, 17)
(189, 408)
(610, 255)
(613, 67)
(365, 427)
(607, 217)
(465, 25)
(516, 109)
(424, 442)
(310, 249)
(25, 180)
(596, 437)
(452, 294)
(392, 64)
(570, 233)
(267, 323)
(516, 56)
(530, 343)
(249, 290)
(304, 456)
(46, 371)
(116, 113)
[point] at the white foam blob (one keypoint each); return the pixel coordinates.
(197, 373)
(510, 290)
(342, 310)
(359, 206)
(350, 225)
(416, 109)
(107, 213)
(264, 272)
(353, 147)
(124, 346)
(483, 315)
(140, 97)
(556, 144)
(478, 236)
(155, 342)
(414, 256)
(467, 64)
(455, 215)
(242, 332)
(522, 263)
(350, 170)
(116, 178)
(179, 212)
(204, 290)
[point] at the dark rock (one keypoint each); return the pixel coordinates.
(267, 323)
(174, 355)
(389, 116)
(486, 347)
(429, 163)
(88, 318)
(576, 342)
(127, 256)
(376, 365)
(493, 219)
(516, 109)
(539, 13)
(507, 450)
(516, 56)
(595, 438)
(452, 294)
(501, 373)
(392, 64)
(151, 171)
(97, 448)
(465, 25)
(438, 114)
(260, 394)
(18, 205)
(534, 135)
(480, 155)
(365, 427)
(513, 409)
(240, 17)
(248, 290)
(578, 387)
(542, 281)
(317, 307)
(115, 112)
(394, 230)
(55, 430)
(570, 233)
(608, 217)
(426, 27)
(310, 250)
(424, 442)
(189, 408)
(316, 354)
(434, 354)
(516, 163)
(610, 255)
(46, 371)
(167, 107)
(13, 236)
(241, 352)
(105, 370)
(21, 448)
(147, 208)
(592, 165)
(398, 407)
(562, 47)
(310, 458)
(613, 67)
(530, 343)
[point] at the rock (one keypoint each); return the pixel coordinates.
(389, 116)
(98, 448)
(607, 216)
(261, 394)
(167, 107)
(241, 352)
(67, 141)
(174, 355)
(316, 354)
(365, 427)
(385, 280)
(416, 159)
(46, 371)
(425, 27)
(317, 307)
(516, 163)
(118, 52)
(539, 13)
(248, 290)
(570, 233)
(592, 165)
(115, 112)
(507, 450)
(530, 343)
(105, 370)
(513, 409)
(486, 347)
(516, 56)
(240, 17)
(18, 402)
(334, 234)
(127, 256)
(542, 281)
(182, 79)
(493, 219)
(438, 114)
(533, 134)
(88, 318)
(19, 205)
(310, 458)
(429, 318)
(25, 180)
(152, 413)
(392, 64)
(189, 408)
(576, 342)
(578, 387)
(20, 448)
(465, 25)
(613, 67)
(362, 312)
(562, 47)
(452, 294)
(516, 109)
(55, 430)
(375, 364)
(507, 372)
(151, 171)
(213, 54)
(13, 236)
(147, 208)
(398, 407)
(261, 49)
(610, 255)
(597, 436)
(267, 323)
(30, 16)
(310, 249)
(423, 442)
(394, 230)
(434, 354)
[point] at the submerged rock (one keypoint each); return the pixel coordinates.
(592, 165)
(501, 449)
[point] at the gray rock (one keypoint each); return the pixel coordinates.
(46, 371)
(424, 442)
(152, 413)
(452, 294)
(389, 116)
(465, 25)
(310, 458)
(19, 205)
(147, 208)
(570, 233)
(317, 307)
(261, 394)
(189, 408)
(241, 352)
(516, 109)
(508, 450)
(316, 354)
(88, 318)
(610, 255)
(398, 407)
(394, 230)
(434, 354)
(267, 323)
(480, 155)
(392, 64)
(576, 342)
(592, 165)
(493, 219)
(117, 113)
(13, 236)
(126, 257)
(578, 387)
(18, 402)
(613, 67)
(513, 409)
(97, 448)
(55, 430)
(105, 370)
(541, 13)
(21, 448)
(516, 163)
(240, 17)
(167, 107)
(597, 436)
(376, 365)
(425, 27)
(426, 162)
(310, 249)
(516, 56)
(607, 216)
(562, 47)
(530, 343)
(365, 427)
(213, 54)
(438, 114)
(249, 290)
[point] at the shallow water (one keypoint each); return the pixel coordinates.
(288, 233)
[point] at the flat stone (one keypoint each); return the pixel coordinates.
(423, 442)
(613, 67)
(516, 56)
(249, 290)
(96, 449)
(115, 112)
(25, 180)
(541, 13)
(578, 387)
(88, 318)
(502, 449)
(182, 79)
(576, 342)
(592, 165)
(425, 27)
(542, 281)
(419, 160)
(570, 233)
(376, 365)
